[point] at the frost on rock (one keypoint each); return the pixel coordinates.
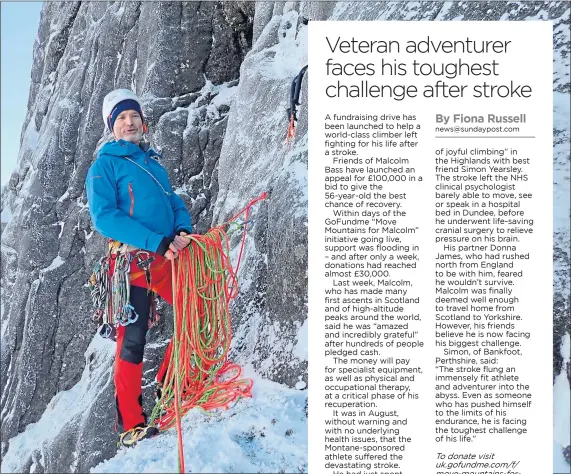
(272, 303)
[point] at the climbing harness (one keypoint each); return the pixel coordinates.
(295, 90)
(199, 373)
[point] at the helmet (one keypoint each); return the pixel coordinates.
(112, 99)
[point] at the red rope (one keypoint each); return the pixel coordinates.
(177, 400)
(199, 373)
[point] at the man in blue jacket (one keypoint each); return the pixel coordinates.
(131, 201)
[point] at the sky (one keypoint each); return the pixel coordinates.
(19, 24)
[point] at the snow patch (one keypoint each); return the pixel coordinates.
(225, 95)
(158, 344)
(81, 204)
(6, 214)
(181, 190)
(4, 322)
(134, 76)
(57, 262)
(61, 225)
(68, 407)
(30, 138)
(267, 433)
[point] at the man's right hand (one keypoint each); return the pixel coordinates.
(180, 241)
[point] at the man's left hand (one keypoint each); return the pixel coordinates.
(180, 241)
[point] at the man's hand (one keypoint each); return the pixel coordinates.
(180, 241)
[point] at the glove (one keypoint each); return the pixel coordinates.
(164, 246)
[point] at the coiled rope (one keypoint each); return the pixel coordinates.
(199, 373)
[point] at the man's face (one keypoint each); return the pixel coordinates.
(128, 126)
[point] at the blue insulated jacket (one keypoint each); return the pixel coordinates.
(131, 199)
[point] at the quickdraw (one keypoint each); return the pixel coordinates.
(99, 288)
(123, 311)
(110, 289)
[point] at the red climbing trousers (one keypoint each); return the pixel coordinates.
(128, 368)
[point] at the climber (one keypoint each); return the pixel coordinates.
(295, 91)
(132, 203)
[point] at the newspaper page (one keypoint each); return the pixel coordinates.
(430, 270)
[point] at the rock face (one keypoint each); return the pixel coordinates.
(215, 100)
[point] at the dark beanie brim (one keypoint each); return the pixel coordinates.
(128, 104)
